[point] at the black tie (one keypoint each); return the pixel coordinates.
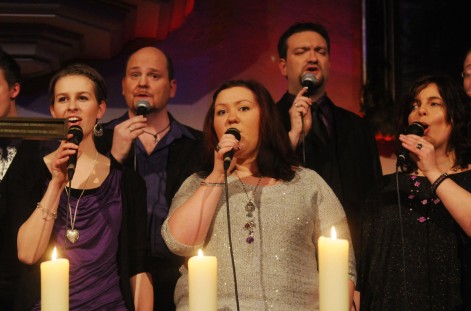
(319, 123)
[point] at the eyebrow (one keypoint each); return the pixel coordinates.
(143, 69)
(78, 93)
(430, 98)
(237, 102)
(307, 47)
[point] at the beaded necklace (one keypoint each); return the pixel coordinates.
(249, 209)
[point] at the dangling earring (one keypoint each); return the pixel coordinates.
(98, 129)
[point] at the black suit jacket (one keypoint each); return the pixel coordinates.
(349, 162)
(9, 263)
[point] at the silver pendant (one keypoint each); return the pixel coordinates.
(250, 207)
(72, 235)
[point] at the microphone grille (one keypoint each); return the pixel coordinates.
(77, 132)
(417, 128)
(142, 107)
(308, 78)
(143, 103)
(233, 131)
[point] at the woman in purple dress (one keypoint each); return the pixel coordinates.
(95, 217)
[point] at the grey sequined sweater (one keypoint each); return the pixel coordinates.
(278, 271)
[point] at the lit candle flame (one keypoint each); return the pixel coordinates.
(200, 253)
(54, 254)
(333, 233)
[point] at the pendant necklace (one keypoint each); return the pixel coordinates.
(72, 234)
(249, 209)
(156, 135)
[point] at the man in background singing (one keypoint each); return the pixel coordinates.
(338, 144)
(163, 151)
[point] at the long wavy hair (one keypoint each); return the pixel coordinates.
(275, 158)
(458, 114)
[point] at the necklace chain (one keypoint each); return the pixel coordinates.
(249, 209)
(156, 135)
(72, 234)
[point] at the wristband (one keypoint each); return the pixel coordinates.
(438, 181)
(212, 184)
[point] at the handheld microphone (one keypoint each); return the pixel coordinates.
(142, 107)
(76, 139)
(415, 128)
(228, 155)
(309, 80)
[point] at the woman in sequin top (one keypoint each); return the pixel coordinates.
(277, 210)
(416, 255)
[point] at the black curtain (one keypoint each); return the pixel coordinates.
(405, 39)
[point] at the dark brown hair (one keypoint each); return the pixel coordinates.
(297, 28)
(10, 68)
(275, 157)
(458, 113)
(80, 70)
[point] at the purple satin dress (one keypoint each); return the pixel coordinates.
(94, 278)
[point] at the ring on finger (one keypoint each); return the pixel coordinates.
(130, 128)
(419, 146)
(296, 105)
(218, 147)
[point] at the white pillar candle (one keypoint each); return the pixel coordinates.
(333, 273)
(202, 274)
(55, 284)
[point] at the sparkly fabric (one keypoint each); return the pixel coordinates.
(348, 162)
(437, 251)
(278, 270)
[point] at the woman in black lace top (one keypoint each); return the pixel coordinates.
(416, 248)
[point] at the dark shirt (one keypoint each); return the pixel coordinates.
(9, 263)
(348, 161)
(324, 112)
(176, 156)
(430, 269)
(153, 168)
